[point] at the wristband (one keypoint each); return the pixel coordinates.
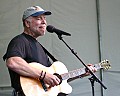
(41, 75)
(44, 76)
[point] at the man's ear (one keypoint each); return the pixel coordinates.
(27, 23)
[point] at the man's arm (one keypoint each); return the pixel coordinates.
(21, 67)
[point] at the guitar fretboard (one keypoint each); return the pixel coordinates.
(78, 72)
(73, 73)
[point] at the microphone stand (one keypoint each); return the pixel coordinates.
(94, 77)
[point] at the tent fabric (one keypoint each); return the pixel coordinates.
(78, 18)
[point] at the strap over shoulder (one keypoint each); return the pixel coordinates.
(49, 54)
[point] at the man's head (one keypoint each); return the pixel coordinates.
(34, 20)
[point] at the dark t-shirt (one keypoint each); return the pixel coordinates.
(30, 50)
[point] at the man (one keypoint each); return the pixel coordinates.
(25, 48)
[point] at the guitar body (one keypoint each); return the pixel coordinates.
(33, 87)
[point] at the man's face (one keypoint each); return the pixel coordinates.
(37, 25)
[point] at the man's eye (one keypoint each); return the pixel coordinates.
(38, 18)
(45, 18)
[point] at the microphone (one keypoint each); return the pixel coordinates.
(52, 29)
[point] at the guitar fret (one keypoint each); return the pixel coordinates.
(81, 71)
(73, 73)
(65, 76)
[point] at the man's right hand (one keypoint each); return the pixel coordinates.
(51, 80)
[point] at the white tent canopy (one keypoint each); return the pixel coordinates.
(93, 38)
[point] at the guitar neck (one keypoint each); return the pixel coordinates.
(78, 72)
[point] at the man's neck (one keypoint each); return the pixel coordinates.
(29, 33)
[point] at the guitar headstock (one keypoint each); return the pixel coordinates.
(105, 64)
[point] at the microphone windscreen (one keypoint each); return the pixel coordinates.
(50, 28)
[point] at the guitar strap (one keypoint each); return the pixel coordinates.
(48, 53)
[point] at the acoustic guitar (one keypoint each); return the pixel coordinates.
(33, 87)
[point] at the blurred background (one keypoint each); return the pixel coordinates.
(94, 26)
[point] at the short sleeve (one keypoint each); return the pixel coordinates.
(16, 47)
